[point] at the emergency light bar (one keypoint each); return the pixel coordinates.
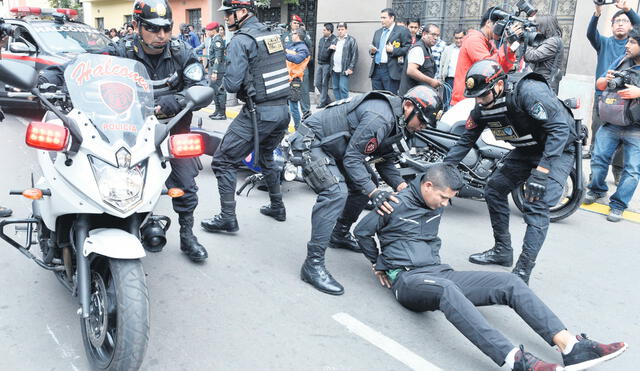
(32, 10)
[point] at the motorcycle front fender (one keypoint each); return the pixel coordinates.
(114, 243)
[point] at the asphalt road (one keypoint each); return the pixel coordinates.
(247, 309)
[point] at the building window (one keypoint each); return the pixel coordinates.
(193, 18)
(100, 23)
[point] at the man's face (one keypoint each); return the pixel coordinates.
(154, 35)
(413, 28)
(457, 39)
(632, 48)
(295, 38)
(386, 20)
(431, 36)
(342, 31)
(326, 33)
(436, 197)
(221, 30)
(621, 26)
(211, 33)
(129, 30)
(294, 25)
(415, 124)
(230, 16)
(488, 99)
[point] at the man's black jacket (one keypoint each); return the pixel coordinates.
(408, 236)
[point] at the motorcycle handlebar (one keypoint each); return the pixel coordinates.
(404, 159)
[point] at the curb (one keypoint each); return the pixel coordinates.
(604, 210)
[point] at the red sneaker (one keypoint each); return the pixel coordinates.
(526, 361)
(588, 353)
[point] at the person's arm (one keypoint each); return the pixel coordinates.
(546, 50)
(235, 72)
(593, 35)
(364, 141)
(536, 99)
(466, 141)
(354, 56)
(602, 81)
(477, 50)
(297, 55)
(389, 173)
(365, 231)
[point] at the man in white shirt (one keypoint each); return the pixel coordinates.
(448, 62)
(343, 61)
(420, 68)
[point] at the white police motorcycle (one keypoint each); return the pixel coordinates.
(103, 166)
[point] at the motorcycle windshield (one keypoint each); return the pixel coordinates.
(114, 93)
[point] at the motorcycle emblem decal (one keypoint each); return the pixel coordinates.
(371, 146)
(84, 71)
(117, 96)
(538, 112)
(470, 83)
(470, 125)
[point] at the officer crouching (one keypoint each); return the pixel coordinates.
(333, 146)
(257, 72)
(522, 110)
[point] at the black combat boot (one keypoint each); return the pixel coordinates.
(188, 242)
(500, 254)
(314, 272)
(341, 238)
(523, 267)
(225, 221)
(276, 208)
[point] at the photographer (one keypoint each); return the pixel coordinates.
(546, 58)
(479, 45)
(619, 109)
(609, 49)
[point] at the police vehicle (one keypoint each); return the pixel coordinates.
(46, 36)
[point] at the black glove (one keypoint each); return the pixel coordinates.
(379, 197)
(169, 106)
(535, 185)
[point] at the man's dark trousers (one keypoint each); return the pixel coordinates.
(457, 294)
(323, 75)
(220, 95)
(515, 170)
(238, 143)
(380, 80)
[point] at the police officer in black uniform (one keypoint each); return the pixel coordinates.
(256, 71)
(174, 65)
(217, 66)
(333, 146)
(522, 110)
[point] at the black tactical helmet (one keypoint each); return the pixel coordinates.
(155, 12)
(481, 77)
(427, 104)
(237, 4)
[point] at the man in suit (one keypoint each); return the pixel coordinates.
(388, 50)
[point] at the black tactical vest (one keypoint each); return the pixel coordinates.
(427, 68)
(269, 74)
(508, 122)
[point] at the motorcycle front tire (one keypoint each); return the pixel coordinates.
(568, 204)
(116, 333)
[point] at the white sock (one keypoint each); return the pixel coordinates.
(510, 359)
(567, 349)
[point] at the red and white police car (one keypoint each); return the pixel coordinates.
(47, 36)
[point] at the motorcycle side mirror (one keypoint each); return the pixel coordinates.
(18, 75)
(200, 96)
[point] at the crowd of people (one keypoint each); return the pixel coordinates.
(414, 76)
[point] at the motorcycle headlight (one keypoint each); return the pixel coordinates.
(121, 186)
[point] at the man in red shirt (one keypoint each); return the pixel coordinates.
(479, 45)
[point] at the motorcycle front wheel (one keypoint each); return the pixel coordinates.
(116, 333)
(570, 200)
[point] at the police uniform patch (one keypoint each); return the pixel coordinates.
(470, 125)
(274, 44)
(371, 146)
(538, 112)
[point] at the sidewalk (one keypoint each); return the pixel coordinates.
(600, 207)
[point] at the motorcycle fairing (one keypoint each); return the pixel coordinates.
(114, 243)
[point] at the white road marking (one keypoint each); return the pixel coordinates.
(388, 345)
(67, 352)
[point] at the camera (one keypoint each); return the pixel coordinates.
(530, 37)
(604, 2)
(623, 78)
